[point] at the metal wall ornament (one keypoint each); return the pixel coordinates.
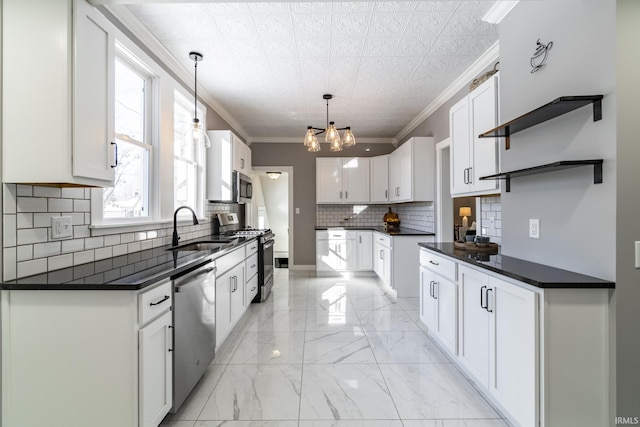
(540, 55)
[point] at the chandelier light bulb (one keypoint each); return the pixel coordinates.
(348, 140)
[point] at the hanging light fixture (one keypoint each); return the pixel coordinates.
(196, 57)
(332, 134)
(274, 175)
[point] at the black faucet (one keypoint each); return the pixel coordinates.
(174, 240)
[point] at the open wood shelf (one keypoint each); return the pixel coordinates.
(555, 108)
(565, 164)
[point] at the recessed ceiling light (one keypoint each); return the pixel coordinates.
(498, 11)
(367, 149)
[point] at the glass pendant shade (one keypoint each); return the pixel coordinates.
(332, 133)
(348, 140)
(336, 145)
(315, 145)
(309, 137)
(196, 130)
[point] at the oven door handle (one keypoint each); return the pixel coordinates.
(269, 244)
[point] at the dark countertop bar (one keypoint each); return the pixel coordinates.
(133, 271)
(402, 232)
(539, 275)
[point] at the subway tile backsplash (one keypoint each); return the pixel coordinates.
(491, 218)
(29, 249)
(418, 216)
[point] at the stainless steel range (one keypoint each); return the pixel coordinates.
(266, 239)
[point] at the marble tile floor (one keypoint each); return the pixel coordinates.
(332, 352)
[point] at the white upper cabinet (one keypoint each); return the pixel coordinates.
(241, 156)
(73, 45)
(380, 179)
(412, 171)
(226, 154)
(473, 157)
(342, 180)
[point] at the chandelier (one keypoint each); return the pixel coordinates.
(332, 135)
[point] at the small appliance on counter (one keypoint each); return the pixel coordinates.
(391, 221)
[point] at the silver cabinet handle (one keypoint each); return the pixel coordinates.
(470, 176)
(386, 195)
(487, 308)
(346, 194)
(381, 254)
(341, 195)
(435, 290)
(241, 163)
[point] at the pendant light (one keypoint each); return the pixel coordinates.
(196, 57)
(332, 134)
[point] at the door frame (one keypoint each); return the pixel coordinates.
(444, 201)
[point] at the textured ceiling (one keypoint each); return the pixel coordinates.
(268, 64)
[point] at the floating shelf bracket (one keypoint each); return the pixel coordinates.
(565, 164)
(555, 108)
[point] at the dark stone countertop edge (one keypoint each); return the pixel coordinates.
(565, 279)
(402, 232)
(152, 276)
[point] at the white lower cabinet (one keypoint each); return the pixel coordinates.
(230, 293)
(382, 262)
(336, 250)
(364, 250)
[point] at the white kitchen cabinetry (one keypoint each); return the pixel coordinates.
(342, 180)
(75, 44)
(226, 154)
(230, 293)
(439, 299)
(379, 179)
(336, 250)
(364, 250)
(473, 157)
(108, 351)
(241, 156)
(412, 171)
(394, 261)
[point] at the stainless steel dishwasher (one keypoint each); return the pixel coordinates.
(194, 323)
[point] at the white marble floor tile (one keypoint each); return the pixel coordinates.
(274, 423)
(325, 321)
(432, 391)
(404, 347)
(351, 423)
(226, 350)
(255, 392)
(276, 321)
(387, 319)
(455, 423)
(409, 303)
(375, 302)
(337, 347)
(349, 391)
(269, 347)
(193, 404)
(290, 302)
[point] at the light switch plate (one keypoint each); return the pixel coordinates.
(61, 227)
(637, 254)
(534, 228)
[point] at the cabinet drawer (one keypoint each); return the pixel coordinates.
(230, 260)
(440, 265)
(251, 248)
(252, 289)
(154, 302)
(251, 266)
(383, 239)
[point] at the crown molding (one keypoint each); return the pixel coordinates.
(128, 19)
(296, 140)
(488, 58)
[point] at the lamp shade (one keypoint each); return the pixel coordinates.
(274, 175)
(465, 211)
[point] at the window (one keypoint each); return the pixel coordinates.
(129, 198)
(187, 157)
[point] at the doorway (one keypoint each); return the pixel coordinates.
(273, 208)
(444, 202)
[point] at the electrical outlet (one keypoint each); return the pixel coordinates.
(637, 254)
(534, 228)
(297, 211)
(61, 227)
(492, 222)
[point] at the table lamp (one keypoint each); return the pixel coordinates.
(465, 211)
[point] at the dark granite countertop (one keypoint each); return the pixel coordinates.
(133, 271)
(403, 231)
(528, 272)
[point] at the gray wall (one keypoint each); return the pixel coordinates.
(304, 185)
(577, 218)
(627, 294)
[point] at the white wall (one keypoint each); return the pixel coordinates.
(577, 218)
(276, 198)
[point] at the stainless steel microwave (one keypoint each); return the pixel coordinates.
(242, 188)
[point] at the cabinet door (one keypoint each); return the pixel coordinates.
(155, 371)
(323, 256)
(93, 95)
(474, 324)
(446, 293)
(377, 259)
(386, 265)
(379, 167)
(328, 180)
(394, 176)
(428, 306)
(460, 146)
(238, 288)
(224, 284)
(514, 365)
(241, 156)
(483, 114)
(405, 177)
(219, 165)
(355, 172)
(349, 254)
(364, 251)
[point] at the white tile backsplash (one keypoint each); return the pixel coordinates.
(43, 250)
(31, 204)
(24, 253)
(83, 257)
(46, 192)
(73, 193)
(9, 198)
(81, 205)
(491, 218)
(36, 266)
(60, 205)
(9, 230)
(417, 216)
(60, 261)
(28, 236)
(24, 190)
